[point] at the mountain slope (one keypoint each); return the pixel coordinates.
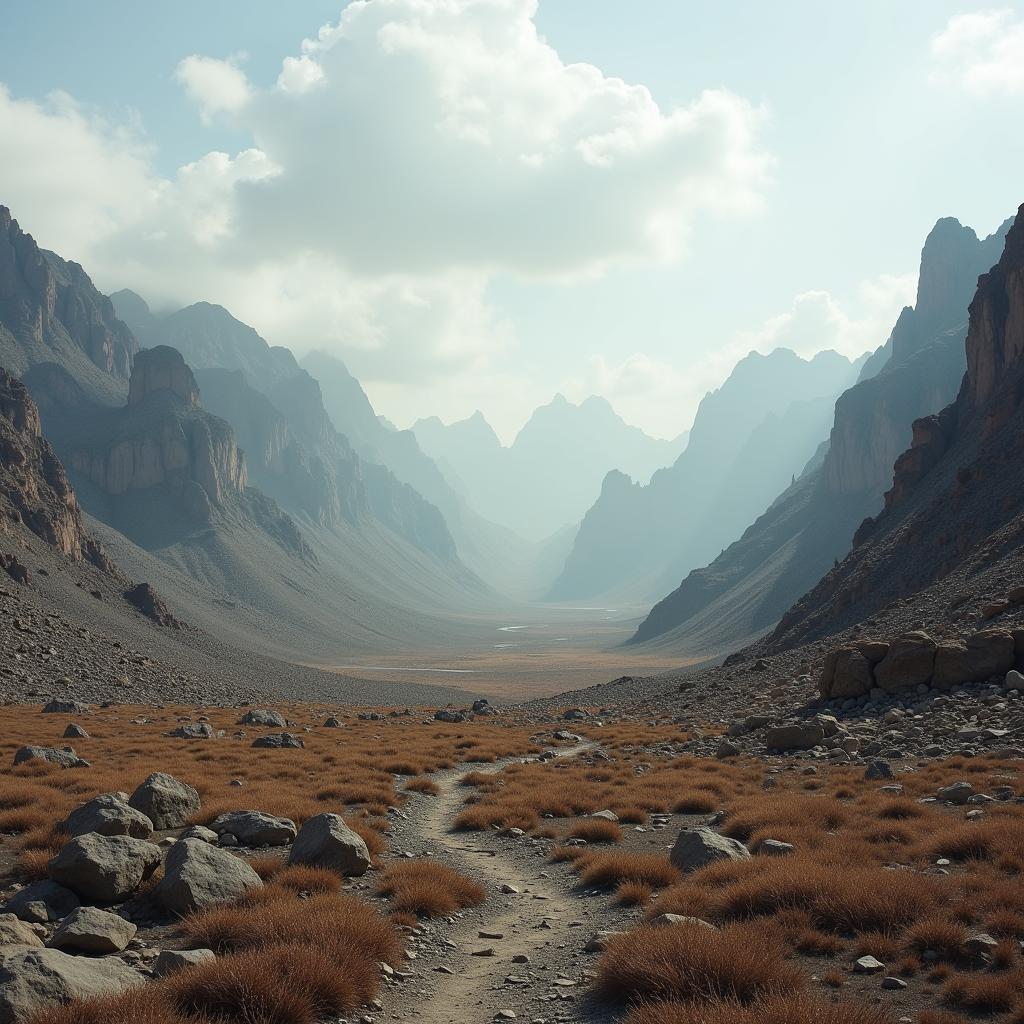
(744, 591)
(749, 438)
(955, 502)
(553, 470)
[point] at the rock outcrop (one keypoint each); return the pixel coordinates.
(34, 489)
(50, 312)
(955, 499)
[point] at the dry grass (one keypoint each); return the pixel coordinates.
(428, 889)
(783, 1010)
(608, 869)
(688, 963)
(633, 894)
(596, 830)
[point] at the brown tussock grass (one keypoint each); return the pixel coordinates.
(597, 830)
(633, 894)
(784, 1010)
(608, 869)
(428, 889)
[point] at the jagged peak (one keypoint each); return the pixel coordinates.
(162, 369)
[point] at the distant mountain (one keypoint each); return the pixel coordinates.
(749, 439)
(955, 507)
(552, 472)
(743, 592)
(277, 409)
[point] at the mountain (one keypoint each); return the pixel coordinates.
(552, 472)
(749, 438)
(51, 313)
(955, 509)
(296, 454)
(787, 549)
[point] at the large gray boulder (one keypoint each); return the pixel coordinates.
(108, 815)
(263, 716)
(696, 847)
(846, 673)
(16, 933)
(197, 875)
(796, 736)
(65, 707)
(104, 869)
(325, 841)
(65, 757)
(91, 930)
(909, 663)
(194, 731)
(279, 740)
(167, 802)
(255, 828)
(41, 902)
(31, 979)
(170, 961)
(987, 653)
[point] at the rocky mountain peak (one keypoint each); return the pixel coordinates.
(162, 369)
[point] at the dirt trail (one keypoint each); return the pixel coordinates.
(540, 921)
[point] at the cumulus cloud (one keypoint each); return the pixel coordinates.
(400, 159)
(982, 52)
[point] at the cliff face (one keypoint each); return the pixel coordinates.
(50, 312)
(957, 486)
(161, 439)
(34, 489)
(744, 591)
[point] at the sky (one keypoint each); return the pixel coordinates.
(479, 203)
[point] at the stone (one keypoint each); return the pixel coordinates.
(605, 815)
(263, 716)
(449, 715)
(775, 848)
(90, 930)
(726, 748)
(198, 875)
(64, 757)
(877, 770)
(846, 673)
(74, 732)
(984, 654)
(279, 740)
(909, 662)
(796, 736)
(108, 815)
(979, 943)
(255, 828)
(332, 723)
(167, 802)
(600, 941)
(207, 835)
(15, 932)
(696, 847)
(868, 965)
(194, 731)
(56, 900)
(31, 979)
(65, 707)
(893, 984)
(104, 869)
(170, 961)
(325, 841)
(957, 793)
(1014, 680)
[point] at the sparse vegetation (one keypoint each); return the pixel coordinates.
(427, 889)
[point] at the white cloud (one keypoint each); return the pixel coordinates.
(216, 86)
(402, 158)
(982, 52)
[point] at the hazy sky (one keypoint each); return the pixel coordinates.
(477, 203)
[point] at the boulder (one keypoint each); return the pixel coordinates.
(90, 930)
(207, 835)
(254, 828)
(877, 770)
(671, 920)
(108, 815)
(447, 715)
(65, 707)
(194, 731)
(74, 732)
(984, 654)
(909, 663)
(14, 932)
(332, 723)
(846, 673)
(197, 875)
(726, 748)
(263, 716)
(600, 941)
(32, 979)
(796, 736)
(104, 869)
(167, 802)
(325, 841)
(277, 740)
(696, 847)
(956, 793)
(775, 848)
(65, 757)
(41, 902)
(170, 961)
(607, 815)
